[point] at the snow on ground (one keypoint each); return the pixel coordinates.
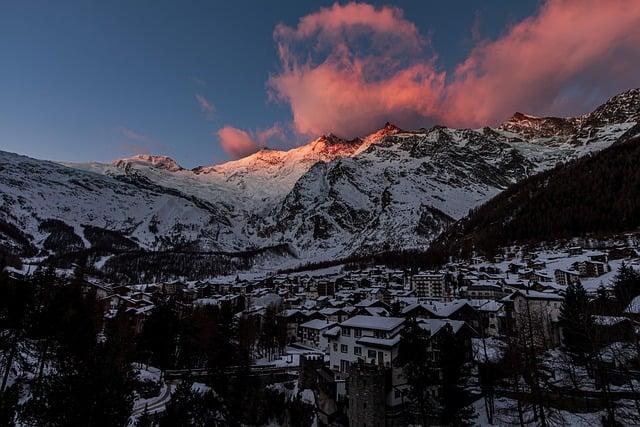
(506, 415)
(290, 358)
(488, 349)
(147, 373)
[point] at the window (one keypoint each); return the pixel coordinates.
(357, 333)
(346, 332)
(371, 354)
(357, 351)
(379, 334)
(335, 346)
(344, 348)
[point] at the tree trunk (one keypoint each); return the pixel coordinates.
(7, 371)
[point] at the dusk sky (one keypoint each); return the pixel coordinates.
(204, 82)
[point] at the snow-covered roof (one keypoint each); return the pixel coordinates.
(531, 294)
(380, 342)
(332, 332)
(374, 322)
(318, 324)
(377, 311)
(491, 306)
(438, 308)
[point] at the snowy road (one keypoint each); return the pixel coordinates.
(155, 404)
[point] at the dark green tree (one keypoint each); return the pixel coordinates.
(418, 369)
(626, 285)
(157, 341)
(192, 408)
(575, 319)
(456, 400)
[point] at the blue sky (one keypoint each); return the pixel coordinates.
(98, 80)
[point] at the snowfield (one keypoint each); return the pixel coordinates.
(330, 198)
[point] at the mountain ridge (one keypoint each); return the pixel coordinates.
(392, 189)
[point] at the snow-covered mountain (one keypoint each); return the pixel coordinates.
(329, 198)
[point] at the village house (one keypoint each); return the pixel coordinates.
(310, 334)
(565, 277)
(540, 310)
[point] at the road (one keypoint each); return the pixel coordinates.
(155, 404)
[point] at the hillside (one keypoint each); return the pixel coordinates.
(596, 194)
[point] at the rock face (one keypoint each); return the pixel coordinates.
(541, 127)
(162, 162)
(329, 198)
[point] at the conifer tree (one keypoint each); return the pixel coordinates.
(575, 319)
(417, 369)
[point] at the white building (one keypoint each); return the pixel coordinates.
(311, 334)
(370, 338)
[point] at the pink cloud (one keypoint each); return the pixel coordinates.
(551, 63)
(239, 143)
(349, 68)
(206, 106)
(343, 88)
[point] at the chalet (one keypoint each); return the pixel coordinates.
(492, 318)
(482, 289)
(367, 337)
(540, 309)
(310, 333)
(591, 268)
(455, 310)
(336, 315)
(575, 250)
(565, 277)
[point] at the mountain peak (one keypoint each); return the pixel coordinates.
(540, 127)
(390, 127)
(621, 108)
(161, 162)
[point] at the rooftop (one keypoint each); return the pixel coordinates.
(318, 324)
(374, 322)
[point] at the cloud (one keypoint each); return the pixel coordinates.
(206, 106)
(571, 53)
(239, 143)
(349, 68)
(198, 81)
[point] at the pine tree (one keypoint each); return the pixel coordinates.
(158, 339)
(89, 383)
(626, 285)
(456, 399)
(182, 408)
(113, 377)
(417, 369)
(575, 319)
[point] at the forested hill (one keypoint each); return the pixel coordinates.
(599, 193)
